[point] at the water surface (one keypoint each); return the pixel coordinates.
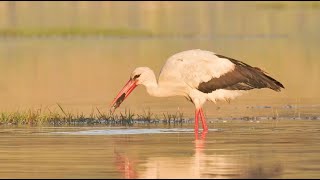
(231, 149)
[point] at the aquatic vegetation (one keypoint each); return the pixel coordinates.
(46, 117)
(146, 117)
(62, 117)
(176, 118)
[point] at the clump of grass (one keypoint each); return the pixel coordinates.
(127, 117)
(47, 117)
(176, 118)
(29, 117)
(68, 118)
(146, 117)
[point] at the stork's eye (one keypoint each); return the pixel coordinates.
(136, 76)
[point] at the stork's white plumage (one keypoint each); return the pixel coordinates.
(199, 76)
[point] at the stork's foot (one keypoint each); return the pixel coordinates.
(202, 135)
(199, 112)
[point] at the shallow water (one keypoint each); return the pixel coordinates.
(231, 149)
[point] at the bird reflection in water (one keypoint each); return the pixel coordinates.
(127, 167)
(199, 165)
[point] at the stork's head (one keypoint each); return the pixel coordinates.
(140, 75)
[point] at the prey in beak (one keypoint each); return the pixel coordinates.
(123, 94)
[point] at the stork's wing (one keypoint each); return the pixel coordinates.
(242, 77)
(208, 72)
(193, 67)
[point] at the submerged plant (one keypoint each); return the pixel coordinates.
(147, 116)
(127, 117)
(173, 118)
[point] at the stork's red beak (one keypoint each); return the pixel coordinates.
(124, 93)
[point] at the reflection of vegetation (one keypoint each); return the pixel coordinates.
(72, 32)
(261, 171)
(64, 118)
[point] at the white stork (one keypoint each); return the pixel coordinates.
(199, 76)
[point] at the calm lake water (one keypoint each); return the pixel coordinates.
(231, 149)
(85, 73)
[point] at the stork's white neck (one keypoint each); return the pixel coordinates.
(160, 91)
(163, 89)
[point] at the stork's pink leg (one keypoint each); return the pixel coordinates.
(196, 123)
(203, 120)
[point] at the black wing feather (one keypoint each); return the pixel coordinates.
(243, 77)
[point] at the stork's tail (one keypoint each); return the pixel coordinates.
(269, 81)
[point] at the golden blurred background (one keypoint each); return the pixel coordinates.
(80, 54)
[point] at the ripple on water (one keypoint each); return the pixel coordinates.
(130, 131)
